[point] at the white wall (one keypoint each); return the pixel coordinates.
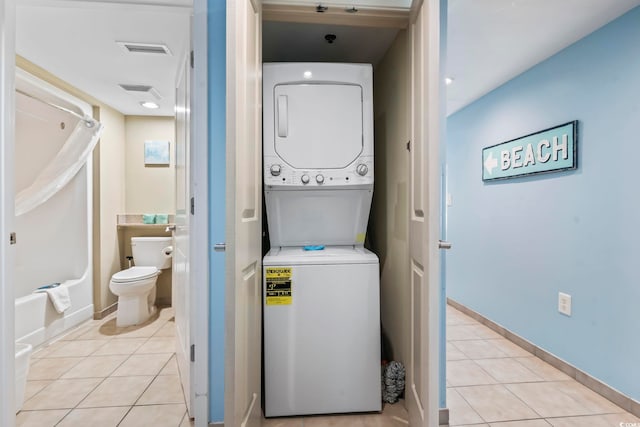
(388, 231)
(109, 201)
(149, 189)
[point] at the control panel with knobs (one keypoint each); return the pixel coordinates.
(278, 174)
(275, 170)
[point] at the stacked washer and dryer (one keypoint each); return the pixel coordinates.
(320, 285)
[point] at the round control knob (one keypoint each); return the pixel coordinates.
(362, 169)
(304, 178)
(319, 178)
(275, 170)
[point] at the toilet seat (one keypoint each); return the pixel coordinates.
(134, 274)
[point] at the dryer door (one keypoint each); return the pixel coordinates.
(318, 126)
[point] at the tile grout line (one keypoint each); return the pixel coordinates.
(497, 383)
(627, 403)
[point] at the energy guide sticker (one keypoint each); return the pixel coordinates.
(278, 290)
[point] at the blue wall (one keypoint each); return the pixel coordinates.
(216, 39)
(517, 243)
(444, 4)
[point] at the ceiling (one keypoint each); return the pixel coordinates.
(76, 41)
(306, 43)
(489, 42)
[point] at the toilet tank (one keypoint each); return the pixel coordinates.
(151, 251)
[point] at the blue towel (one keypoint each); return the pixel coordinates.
(148, 218)
(313, 247)
(162, 219)
(49, 286)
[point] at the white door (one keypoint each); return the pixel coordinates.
(180, 279)
(244, 215)
(422, 372)
(7, 249)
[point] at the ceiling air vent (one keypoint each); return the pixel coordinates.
(141, 89)
(158, 49)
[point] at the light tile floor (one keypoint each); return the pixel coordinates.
(100, 375)
(104, 376)
(493, 382)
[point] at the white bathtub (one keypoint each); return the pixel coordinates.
(38, 322)
(54, 239)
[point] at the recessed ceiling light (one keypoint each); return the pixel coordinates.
(307, 74)
(150, 105)
(448, 80)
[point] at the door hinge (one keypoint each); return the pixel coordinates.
(193, 206)
(192, 59)
(409, 146)
(12, 238)
(193, 353)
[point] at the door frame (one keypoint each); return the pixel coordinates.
(199, 230)
(7, 209)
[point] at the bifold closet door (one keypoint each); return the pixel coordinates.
(422, 371)
(244, 215)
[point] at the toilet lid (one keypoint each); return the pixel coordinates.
(134, 273)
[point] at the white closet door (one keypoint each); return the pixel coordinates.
(422, 370)
(243, 348)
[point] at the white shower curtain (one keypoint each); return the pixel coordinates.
(64, 166)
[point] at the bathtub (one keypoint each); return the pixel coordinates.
(38, 322)
(55, 238)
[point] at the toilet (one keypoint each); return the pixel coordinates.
(135, 287)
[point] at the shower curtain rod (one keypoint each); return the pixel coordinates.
(88, 121)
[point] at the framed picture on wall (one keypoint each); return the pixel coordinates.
(156, 153)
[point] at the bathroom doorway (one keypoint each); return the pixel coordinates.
(85, 25)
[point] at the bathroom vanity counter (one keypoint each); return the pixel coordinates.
(149, 227)
(135, 221)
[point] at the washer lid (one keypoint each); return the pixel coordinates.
(134, 273)
(329, 255)
(318, 126)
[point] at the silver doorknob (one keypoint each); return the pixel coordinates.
(444, 244)
(220, 247)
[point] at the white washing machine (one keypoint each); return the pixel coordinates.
(321, 331)
(321, 307)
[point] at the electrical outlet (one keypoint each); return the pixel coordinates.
(564, 303)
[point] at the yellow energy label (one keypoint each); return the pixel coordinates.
(278, 289)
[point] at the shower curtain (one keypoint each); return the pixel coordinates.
(64, 166)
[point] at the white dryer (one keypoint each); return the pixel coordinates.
(318, 142)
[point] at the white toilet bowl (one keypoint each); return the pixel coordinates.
(136, 289)
(136, 286)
